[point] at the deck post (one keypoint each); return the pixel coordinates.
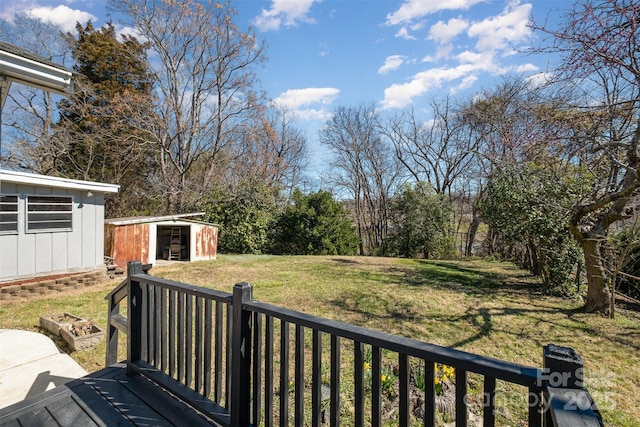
(567, 403)
(111, 355)
(134, 313)
(241, 357)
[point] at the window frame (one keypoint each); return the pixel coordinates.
(16, 213)
(36, 218)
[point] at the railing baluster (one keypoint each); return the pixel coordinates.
(144, 338)
(403, 371)
(316, 379)
(461, 398)
(358, 380)
(429, 394)
(163, 330)
(257, 368)
(268, 372)
(217, 392)
(335, 381)
(299, 376)
(227, 352)
(489, 418)
(181, 336)
(151, 331)
(188, 309)
(376, 389)
(207, 348)
(284, 373)
(199, 350)
(155, 314)
(173, 325)
(535, 402)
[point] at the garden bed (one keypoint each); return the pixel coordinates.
(80, 334)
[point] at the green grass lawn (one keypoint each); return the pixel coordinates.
(488, 308)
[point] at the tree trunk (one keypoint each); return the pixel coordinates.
(473, 230)
(598, 294)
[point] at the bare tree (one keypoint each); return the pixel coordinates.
(441, 151)
(438, 151)
(204, 84)
(365, 167)
(600, 44)
(29, 113)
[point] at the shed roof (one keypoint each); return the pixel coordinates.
(161, 218)
(55, 182)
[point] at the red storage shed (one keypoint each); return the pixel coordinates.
(149, 239)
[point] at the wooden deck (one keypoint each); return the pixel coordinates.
(105, 398)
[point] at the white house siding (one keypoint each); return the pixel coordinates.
(34, 254)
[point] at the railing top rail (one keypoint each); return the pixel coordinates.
(499, 369)
(197, 291)
(118, 292)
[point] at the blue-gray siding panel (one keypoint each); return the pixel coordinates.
(27, 254)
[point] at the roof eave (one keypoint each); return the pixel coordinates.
(56, 182)
(33, 73)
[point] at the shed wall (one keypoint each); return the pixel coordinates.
(204, 242)
(128, 243)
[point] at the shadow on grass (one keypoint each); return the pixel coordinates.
(444, 275)
(518, 295)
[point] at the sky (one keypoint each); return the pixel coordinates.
(394, 54)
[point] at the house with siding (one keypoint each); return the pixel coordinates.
(50, 225)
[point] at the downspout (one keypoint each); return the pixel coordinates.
(4, 90)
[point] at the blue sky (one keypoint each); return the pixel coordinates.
(394, 54)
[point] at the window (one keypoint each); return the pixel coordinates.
(8, 214)
(49, 213)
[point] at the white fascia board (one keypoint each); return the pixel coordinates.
(33, 73)
(55, 182)
(159, 220)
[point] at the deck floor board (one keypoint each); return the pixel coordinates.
(106, 398)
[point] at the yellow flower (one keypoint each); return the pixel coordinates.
(437, 380)
(383, 378)
(366, 365)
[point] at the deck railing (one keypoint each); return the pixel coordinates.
(243, 362)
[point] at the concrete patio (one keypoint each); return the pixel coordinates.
(31, 363)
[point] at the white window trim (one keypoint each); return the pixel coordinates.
(51, 229)
(16, 231)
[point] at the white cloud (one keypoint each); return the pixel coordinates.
(403, 33)
(495, 38)
(466, 83)
(129, 31)
(401, 95)
(308, 103)
(416, 9)
(480, 60)
(445, 32)
(391, 63)
(61, 15)
(499, 32)
(525, 68)
(539, 79)
(284, 12)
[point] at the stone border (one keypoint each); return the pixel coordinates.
(50, 285)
